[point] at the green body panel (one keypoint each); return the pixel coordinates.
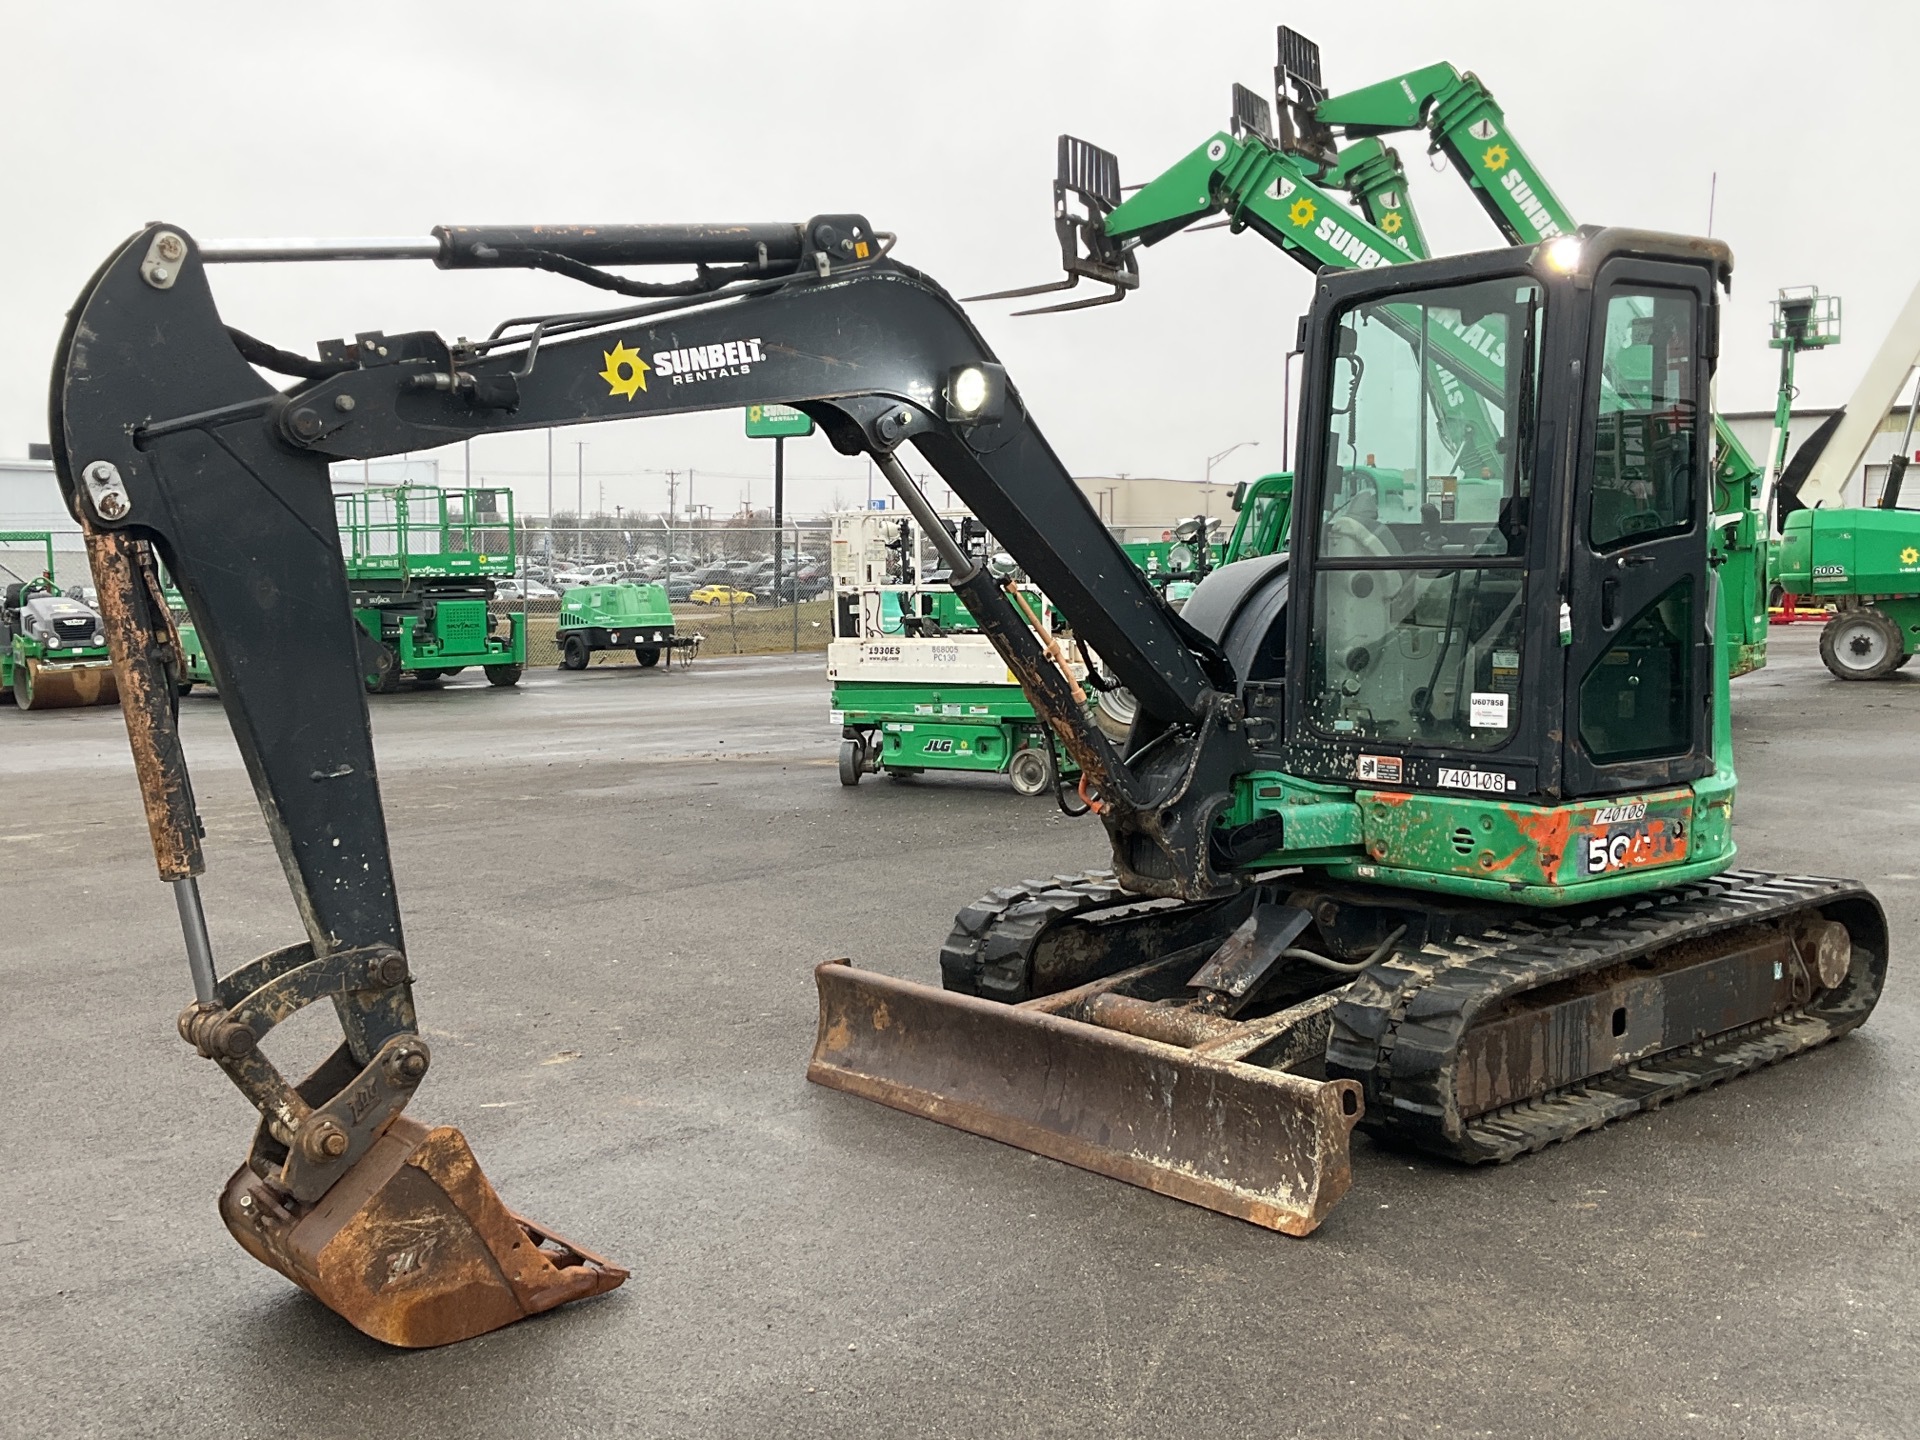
(1856, 554)
(459, 633)
(951, 727)
(1739, 552)
(195, 655)
(1265, 517)
(621, 607)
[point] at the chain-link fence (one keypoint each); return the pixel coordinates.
(746, 589)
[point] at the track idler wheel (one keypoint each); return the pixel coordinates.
(412, 1246)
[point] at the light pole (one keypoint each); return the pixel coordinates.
(1206, 495)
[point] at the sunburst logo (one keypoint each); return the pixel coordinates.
(1495, 158)
(626, 372)
(1302, 212)
(1390, 222)
(1910, 556)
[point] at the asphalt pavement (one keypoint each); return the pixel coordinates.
(616, 886)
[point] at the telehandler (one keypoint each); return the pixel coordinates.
(1426, 822)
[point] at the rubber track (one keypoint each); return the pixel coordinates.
(1399, 1027)
(990, 950)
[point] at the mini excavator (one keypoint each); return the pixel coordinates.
(1426, 824)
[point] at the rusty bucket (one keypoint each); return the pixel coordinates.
(412, 1246)
(1261, 1144)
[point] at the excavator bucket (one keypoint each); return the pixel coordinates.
(1262, 1144)
(412, 1246)
(52, 685)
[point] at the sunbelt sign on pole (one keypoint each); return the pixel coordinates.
(776, 422)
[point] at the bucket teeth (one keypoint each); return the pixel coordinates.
(1264, 1145)
(412, 1246)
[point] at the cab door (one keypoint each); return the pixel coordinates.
(1640, 596)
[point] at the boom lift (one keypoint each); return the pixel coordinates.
(1864, 559)
(1430, 817)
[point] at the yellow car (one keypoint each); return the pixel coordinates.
(721, 595)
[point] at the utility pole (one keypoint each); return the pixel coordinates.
(1206, 495)
(549, 495)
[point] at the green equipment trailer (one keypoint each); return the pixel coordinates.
(53, 649)
(916, 686)
(421, 565)
(622, 616)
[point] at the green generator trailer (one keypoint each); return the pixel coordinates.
(421, 565)
(621, 616)
(53, 650)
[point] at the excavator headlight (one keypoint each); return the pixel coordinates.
(976, 394)
(1563, 253)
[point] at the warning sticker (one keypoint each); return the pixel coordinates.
(1380, 769)
(1487, 710)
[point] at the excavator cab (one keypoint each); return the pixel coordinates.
(1535, 623)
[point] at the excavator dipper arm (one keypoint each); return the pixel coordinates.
(171, 447)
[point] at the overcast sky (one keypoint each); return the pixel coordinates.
(938, 122)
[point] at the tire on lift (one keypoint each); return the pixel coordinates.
(1029, 771)
(1862, 644)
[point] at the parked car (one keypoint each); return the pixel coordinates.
(679, 592)
(793, 587)
(523, 590)
(721, 595)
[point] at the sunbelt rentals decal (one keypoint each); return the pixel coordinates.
(626, 372)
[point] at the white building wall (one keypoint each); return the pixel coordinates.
(30, 500)
(1755, 431)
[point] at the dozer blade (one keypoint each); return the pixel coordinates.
(45, 685)
(1261, 1144)
(412, 1245)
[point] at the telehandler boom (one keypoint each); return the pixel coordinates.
(1430, 819)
